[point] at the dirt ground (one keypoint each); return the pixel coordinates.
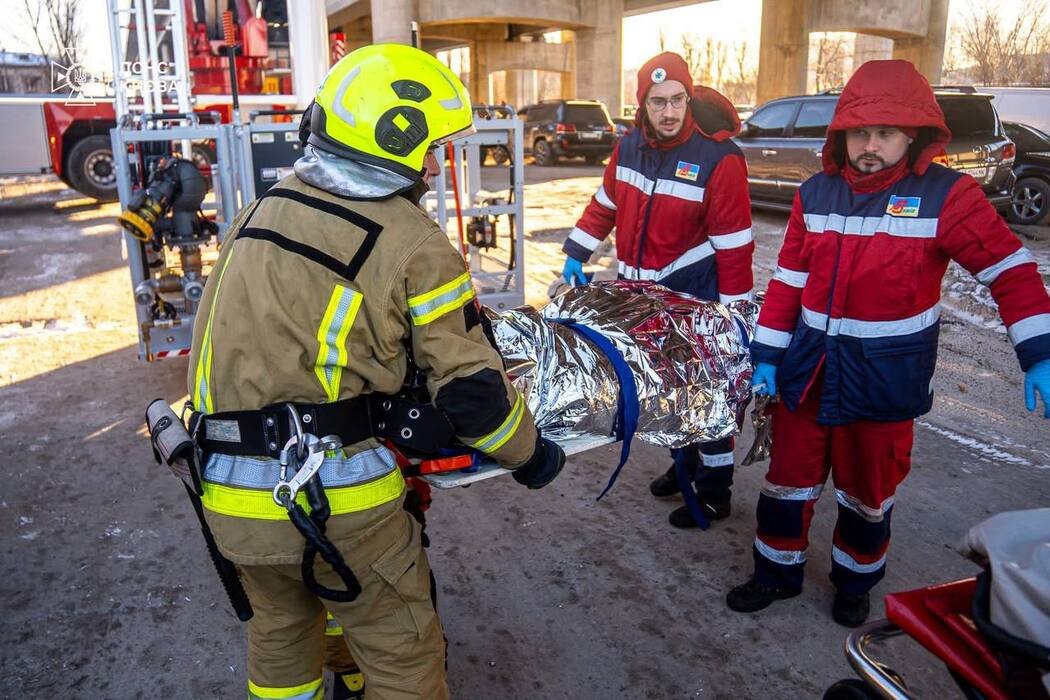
(107, 591)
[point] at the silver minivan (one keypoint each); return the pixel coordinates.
(782, 142)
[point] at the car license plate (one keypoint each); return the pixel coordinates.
(976, 173)
(590, 134)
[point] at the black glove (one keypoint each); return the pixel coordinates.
(545, 464)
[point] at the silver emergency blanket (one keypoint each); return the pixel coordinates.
(1017, 547)
(689, 360)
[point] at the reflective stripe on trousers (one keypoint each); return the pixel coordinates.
(314, 690)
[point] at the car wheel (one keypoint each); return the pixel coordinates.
(500, 155)
(91, 168)
(542, 153)
(204, 158)
(1030, 202)
(595, 159)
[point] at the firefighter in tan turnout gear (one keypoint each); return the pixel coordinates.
(327, 289)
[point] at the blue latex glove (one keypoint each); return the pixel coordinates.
(1037, 379)
(765, 373)
(573, 272)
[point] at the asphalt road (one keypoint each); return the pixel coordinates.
(107, 591)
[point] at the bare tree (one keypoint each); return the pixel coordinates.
(706, 59)
(690, 50)
(55, 25)
(1006, 54)
(829, 66)
(715, 58)
(741, 87)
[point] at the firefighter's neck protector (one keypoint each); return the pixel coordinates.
(349, 178)
(386, 105)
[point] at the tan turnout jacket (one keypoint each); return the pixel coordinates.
(316, 298)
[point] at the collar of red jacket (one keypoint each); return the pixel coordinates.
(891, 93)
(709, 113)
(877, 181)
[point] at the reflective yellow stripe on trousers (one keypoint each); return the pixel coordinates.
(314, 690)
(331, 337)
(202, 379)
(332, 628)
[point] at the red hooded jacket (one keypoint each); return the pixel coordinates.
(858, 282)
(680, 207)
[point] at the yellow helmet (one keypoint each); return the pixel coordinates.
(387, 104)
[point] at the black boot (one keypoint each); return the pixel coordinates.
(714, 510)
(850, 610)
(666, 484)
(349, 685)
(752, 596)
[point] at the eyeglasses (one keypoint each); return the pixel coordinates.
(660, 103)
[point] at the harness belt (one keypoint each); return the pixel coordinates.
(264, 432)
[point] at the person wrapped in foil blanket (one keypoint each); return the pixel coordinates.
(689, 360)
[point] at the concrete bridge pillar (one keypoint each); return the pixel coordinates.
(867, 47)
(512, 88)
(599, 64)
(479, 72)
(392, 21)
(358, 33)
(783, 56)
(927, 52)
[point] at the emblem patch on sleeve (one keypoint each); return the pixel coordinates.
(687, 171)
(903, 206)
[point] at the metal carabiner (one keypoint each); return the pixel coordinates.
(286, 490)
(297, 423)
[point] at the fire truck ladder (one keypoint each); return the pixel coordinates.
(150, 56)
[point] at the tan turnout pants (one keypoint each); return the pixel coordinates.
(392, 629)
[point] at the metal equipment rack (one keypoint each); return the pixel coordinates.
(500, 284)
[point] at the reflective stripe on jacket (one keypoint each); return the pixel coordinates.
(858, 285)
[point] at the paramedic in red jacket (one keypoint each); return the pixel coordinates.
(848, 331)
(675, 190)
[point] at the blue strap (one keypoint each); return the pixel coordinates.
(685, 484)
(627, 398)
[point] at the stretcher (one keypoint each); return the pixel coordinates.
(487, 468)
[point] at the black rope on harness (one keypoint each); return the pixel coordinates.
(312, 528)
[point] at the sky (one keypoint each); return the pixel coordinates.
(731, 21)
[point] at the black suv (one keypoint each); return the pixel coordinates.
(1031, 201)
(782, 142)
(555, 128)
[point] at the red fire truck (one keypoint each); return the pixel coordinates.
(69, 135)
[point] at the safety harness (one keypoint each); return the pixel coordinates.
(289, 432)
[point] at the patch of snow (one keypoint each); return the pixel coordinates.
(980, 447)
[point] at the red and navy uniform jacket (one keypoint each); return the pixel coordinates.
(858, 283)
(682, 215)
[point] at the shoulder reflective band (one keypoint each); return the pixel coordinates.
(314, 690)
(498, 437)
(431, 306)
(258, 504)
(202, 379)
(331, 337)
(627, 397)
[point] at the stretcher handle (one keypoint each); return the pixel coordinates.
(870, 670)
